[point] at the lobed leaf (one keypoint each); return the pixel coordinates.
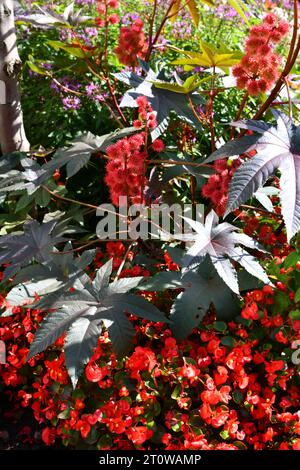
(277, 148)
(163, 101)
(82, 313)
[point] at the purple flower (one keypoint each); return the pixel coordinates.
(226, 12)
(62, 86)
(54, 86)
(91, 88)
(101, 97)
(71, 102)
(94, 92)
(86, 35)
(198, 69)
(66, 82)
(129, 18)
(84, 2)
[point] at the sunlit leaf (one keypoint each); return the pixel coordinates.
(75, 50)
(276, 148)
(241, 8)
(210, 56)
(190, 84)
(222, 243)
(192, 7)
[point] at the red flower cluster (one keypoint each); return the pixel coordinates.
(105, 17)
(216, 188)
(125, 172)
(132, 43)
(116, 251)
(258, 69)
(147, 119)
(264, 232)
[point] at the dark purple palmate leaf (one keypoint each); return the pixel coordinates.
(223, 244)
(83, 312)
(163, 101)
(277, 148)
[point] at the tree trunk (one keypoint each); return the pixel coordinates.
(12, 133)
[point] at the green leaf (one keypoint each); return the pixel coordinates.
(237, 396)
(65, 414)
(220, 326)
(175, 87)
(177, 427)
(105, 442)
(24, 201)
(72, 49)
(224, 434)
(190, 84)
(42, 197)
(291, 259)
(176, 392)
(241, 8)
(227, 341)
(281, 301)
(297, 295)
(37, 68)
(294, 314)
(192, 7)
(210, 57)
